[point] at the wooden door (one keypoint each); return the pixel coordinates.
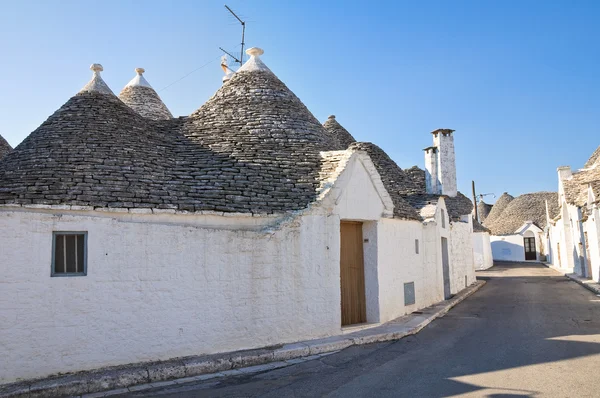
(352, 273)
(530, 250)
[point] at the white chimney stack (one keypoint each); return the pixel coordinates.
(440, 164)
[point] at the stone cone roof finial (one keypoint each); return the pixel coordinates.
(254, 64)
(96, 84)
(139, 95)
(139, 79)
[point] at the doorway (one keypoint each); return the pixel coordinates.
(352, 273)
(530, 250)
(446, 269)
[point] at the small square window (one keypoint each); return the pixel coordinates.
(417, 246)
(69, 253)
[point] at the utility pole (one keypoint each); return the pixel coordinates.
(474, 200)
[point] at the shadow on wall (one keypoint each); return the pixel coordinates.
(506, 251)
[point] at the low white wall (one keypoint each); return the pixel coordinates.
(157, 291)
(482, 251)
(507, 248)
(462, 268)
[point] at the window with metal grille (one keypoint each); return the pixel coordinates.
(69, 253)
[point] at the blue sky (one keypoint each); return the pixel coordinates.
(518, 80)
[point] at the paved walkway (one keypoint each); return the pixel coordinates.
(529, 332)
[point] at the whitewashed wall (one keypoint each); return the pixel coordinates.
(482, 251)
(462, 267)
(508, 248)
(160, 291)
(591, 227)
(399, 264)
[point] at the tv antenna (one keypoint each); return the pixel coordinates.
(241, 59)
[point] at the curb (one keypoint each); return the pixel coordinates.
(586, 283)
(136, 377)
(589, 284)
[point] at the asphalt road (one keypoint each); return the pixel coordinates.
(529, 332)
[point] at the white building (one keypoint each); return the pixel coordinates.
(129, 236)
(517, 226)
(574, 235)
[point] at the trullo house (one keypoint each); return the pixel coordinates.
(574, 233)
(128, 235)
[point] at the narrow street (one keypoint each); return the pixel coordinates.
(529, 332)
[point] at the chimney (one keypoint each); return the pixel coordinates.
(431, 170)
(443, 140)
(564, 173)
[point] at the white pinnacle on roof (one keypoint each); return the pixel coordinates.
(139, 79)
(254, 64)
(97, 84)
(139, 95)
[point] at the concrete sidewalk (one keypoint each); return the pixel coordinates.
(589, 284)
(136, 377)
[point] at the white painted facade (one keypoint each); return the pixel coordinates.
(163, 285)
(512, 247)
(440, 164)
(482, 251)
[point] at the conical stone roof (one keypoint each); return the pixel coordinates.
(266, 141)
(4, 147)
(498, 208)
(93, 151)
(524, 208)
(139, 95)
(483, 210)
(338, 133)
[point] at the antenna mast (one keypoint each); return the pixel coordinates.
(241, 60)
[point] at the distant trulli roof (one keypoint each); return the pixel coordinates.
(593, 159)
(139, 95)
(339, 134)
(4, 147)
(395, 181)
(524, 208)
(498, 208)
(97, 84)
(483, 210)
